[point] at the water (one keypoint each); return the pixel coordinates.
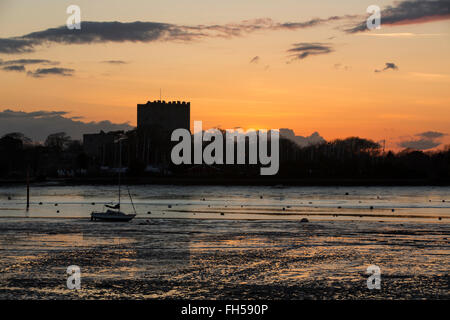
(231, 243)
(223, 259)
(234, 202)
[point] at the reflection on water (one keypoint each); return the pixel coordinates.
(197, 258)
(239, 242)
(236, 202)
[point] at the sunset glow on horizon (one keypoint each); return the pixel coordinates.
(258, 64)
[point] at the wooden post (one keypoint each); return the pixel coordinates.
(28, 188)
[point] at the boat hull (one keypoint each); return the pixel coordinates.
(111, 216)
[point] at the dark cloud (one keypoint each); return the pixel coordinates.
(14, 45)
(255, 59)
(428, 140)
(51, 71)
(230, 30)
(115, 62)
(305, 49)
(95, 32)
(313, 22)
(17, 68)
(313, 139)
(19, 65)
(28, 61)
(32, 115)
(388, 65)
(261, 24)
(409, 12)
(100, 32)
(431, 134)
(38, 125)
(421, 144)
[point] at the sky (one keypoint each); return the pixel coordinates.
(312, 66)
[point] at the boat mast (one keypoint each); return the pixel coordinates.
(120, 165)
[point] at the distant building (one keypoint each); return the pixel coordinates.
(164, 116)
(155, 123)
(101, 146)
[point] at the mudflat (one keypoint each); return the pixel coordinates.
(223, 259)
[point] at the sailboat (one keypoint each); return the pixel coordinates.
(113, 212)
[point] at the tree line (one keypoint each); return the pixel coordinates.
(350, 158)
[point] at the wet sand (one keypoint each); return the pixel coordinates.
(223, 259)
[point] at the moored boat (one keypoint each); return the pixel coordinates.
(111, 215)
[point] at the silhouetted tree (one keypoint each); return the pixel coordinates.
(57, 141)
(19, 136)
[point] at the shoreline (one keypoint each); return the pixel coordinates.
(399, 220)
(234, 181)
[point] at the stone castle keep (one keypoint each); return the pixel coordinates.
(155, 123)
(161, 116)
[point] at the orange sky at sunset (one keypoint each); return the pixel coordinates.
(334, 90)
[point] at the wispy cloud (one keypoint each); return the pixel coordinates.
(18, 68)
(303, 50)
(388, 66)
(313, 22)
(261, 24)
(33, 115)
(41, 72)
(115, 62)
(255, 60)
(19, 65)
(340, 66)
(410, 12)
(28, 61)
(101, 32)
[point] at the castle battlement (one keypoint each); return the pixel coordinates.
(163, 102)
(164, 115)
